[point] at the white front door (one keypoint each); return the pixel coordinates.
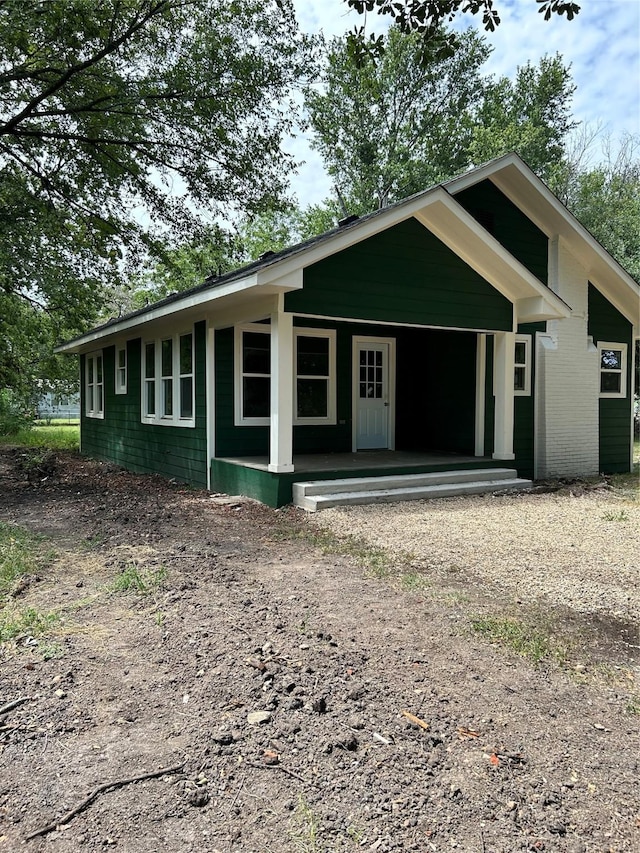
(372, 395)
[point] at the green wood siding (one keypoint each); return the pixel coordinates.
(121, 437)
(606, 323)
(509, 226)
(402, 275)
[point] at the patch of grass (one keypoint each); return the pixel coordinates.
(414, 581)
(305, 828)
(633, 707)
(142, 581)
(15, 621)
(54, 437)
(619, 515)
(378, 562)
(21, 553)
(527, 641)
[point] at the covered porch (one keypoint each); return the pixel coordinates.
(251, 475)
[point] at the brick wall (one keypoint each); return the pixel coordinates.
(567, 379)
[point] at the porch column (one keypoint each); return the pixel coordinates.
(281, 419)
(503, 375)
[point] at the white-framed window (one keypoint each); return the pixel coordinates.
(253, 374)
(168, 386)
(121, 370)
(94, 385)
(522, 366)
(315, 376)
(612, 358)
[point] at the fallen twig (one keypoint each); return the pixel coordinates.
(119, 783)
(283, 769)
(415, 720)
(14, 704)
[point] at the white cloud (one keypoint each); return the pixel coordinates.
(602, 45)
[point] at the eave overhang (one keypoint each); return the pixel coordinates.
(435, 209)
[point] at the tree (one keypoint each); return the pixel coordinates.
(118, 119)
(389, 128)
(606, 197)
(530, 115)
(392, 127)
(426, 17)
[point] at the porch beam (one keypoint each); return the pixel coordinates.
(504, 367)
(281, 418)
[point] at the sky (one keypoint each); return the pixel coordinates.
(601, 44)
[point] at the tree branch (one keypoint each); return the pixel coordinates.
(157, 7)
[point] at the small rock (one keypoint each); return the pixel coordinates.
(256, 717)
(60, 694)
(198, 797)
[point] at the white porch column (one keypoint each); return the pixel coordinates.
(281, 432)
(503, 375)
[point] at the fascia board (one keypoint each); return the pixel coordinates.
(194, 300)
(463, 235)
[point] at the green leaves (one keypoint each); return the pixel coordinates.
(125, 124)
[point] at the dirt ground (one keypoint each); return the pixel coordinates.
(298, 699)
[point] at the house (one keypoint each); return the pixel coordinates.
(56, 406)
(476, 324)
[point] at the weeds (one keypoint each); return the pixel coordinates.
(142, 581)
(525, 640)
(377, 561)
(620, 515)
(19, 555)
(15, 621)
(304, 832)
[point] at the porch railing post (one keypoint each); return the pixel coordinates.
(503, 376)
(281, 418)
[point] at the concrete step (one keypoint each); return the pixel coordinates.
(398, 481)
(319, 494)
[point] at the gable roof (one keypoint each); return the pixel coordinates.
(515, 180)
(438, 211)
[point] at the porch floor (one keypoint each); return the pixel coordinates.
(370, 459)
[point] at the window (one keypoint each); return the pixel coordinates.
(315, 370)
(253, 374)
(522, 366)
(94, 386)
(121, 370)
(168, 388)
(613, 369)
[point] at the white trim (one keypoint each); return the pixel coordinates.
(391, 426)
(526, 364)
(503, 354)
(157, 418)
(210, 385)
(395, 324)
(331, 378)
(622, 371)
(281, 402)
(121, 387)
(238, 331)
(90, 388)
(481, 375)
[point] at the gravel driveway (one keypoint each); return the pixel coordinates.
(579, 548)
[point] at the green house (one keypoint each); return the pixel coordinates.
(475, 324)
